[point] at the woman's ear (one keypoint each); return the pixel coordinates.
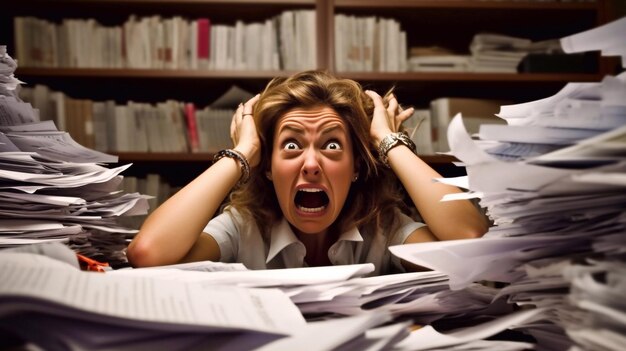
(268, 175)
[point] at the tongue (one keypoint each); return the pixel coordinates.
(311, 200)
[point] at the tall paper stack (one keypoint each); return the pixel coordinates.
(554, 183)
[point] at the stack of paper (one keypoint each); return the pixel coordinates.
(336, 291)
(53, 189)
(560, 222)
(60, 307)
(497, 53)
(597, 318)
(48, 302)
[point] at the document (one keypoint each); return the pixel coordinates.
(605, 148)
(606, 38)
(427, 337)
(329, 334)
(14, 112)
(587, 106)
(487, 174)
(534, 134)
(558, 211)
(58, 145)
(358, 295)
(54, 251)
(65, 180)
(203, 266)
(258, 278)
(492, 259)
(53, 288)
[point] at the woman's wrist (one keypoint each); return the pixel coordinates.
(241, 159)
(392, 140)
(251, 153)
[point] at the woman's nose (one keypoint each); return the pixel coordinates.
(311, 166)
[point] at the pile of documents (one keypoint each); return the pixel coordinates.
(557, 200)
(54, 189)
(218, 306)
(342, 291)
(556, 192)
(497, 52)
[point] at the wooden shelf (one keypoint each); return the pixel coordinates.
(470, 4)
(473, 77)
(366, 76)
(175, 2)
(208, 157)
(147, 73)
(163, 156)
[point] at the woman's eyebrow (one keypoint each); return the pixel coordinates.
(299, 130)
(332, 128)
(292, 128)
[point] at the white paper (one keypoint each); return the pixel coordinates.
(139, 301)
(427, 337)
(260, 278)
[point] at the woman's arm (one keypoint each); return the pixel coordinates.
(171, 234)
(445, 220)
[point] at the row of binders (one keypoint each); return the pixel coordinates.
(168, 126)
(176, 126)
(556, 251)
(284, 42)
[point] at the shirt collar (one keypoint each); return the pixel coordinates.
(282, 236)
(351, 234)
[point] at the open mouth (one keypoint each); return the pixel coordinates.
(311, 200)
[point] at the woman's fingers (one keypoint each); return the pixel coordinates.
(377, 99)
(381, 123)
(248, 129)
(403, 116)
(237, 125)
(249, 105)
(246, 136)
(392, 111)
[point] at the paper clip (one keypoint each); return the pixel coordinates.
(90, 264)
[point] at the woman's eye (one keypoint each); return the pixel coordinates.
(291, 146)
(333, 145)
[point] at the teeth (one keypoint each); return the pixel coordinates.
(311, 190)
(311, 210)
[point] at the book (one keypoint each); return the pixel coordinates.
(100, 126)
(192, 129)
(203, 44)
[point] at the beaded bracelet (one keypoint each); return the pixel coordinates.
(243, 162)
(392, 140)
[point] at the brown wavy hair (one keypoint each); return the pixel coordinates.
(371, 199)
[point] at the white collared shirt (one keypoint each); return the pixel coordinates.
(241, 241)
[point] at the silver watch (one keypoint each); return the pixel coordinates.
(392, 140)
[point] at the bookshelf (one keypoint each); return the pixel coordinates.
(449, 23)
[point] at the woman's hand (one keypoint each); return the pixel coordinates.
(244, 134)
(386, 120)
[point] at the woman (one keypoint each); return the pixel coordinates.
(314, 172)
